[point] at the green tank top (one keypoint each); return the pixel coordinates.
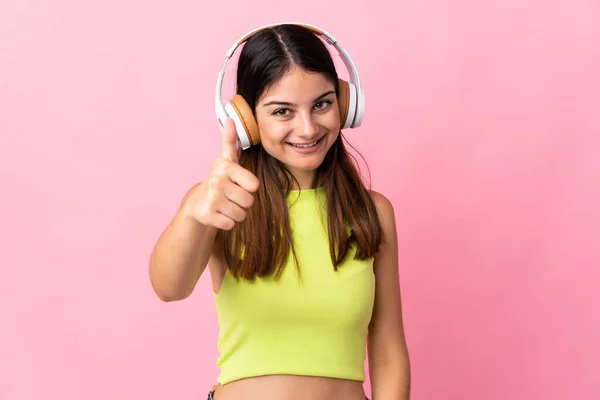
(313, 326)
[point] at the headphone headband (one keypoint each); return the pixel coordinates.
(220, 108)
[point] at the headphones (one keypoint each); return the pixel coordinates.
(351, 97)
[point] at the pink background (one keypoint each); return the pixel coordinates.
(482, 127)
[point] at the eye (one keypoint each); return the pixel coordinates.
(282, 112)
(323, 104)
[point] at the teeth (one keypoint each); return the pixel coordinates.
(304, 146)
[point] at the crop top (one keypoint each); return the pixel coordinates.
(313, 326)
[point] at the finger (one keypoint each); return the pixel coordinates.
(238, 195)
(232, 210)
(242, 177)
(221, 221)
(229, 141)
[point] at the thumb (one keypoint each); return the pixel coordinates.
(229, 141)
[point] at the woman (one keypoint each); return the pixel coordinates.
(302, 257)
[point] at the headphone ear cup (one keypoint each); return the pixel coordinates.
(347, 99)
(245, 123)
(343, 100)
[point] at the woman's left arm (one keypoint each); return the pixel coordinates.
(389, 364)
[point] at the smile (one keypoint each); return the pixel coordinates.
(305, 145)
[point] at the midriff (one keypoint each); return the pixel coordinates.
(290, 387)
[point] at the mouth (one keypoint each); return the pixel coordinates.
(305, 145)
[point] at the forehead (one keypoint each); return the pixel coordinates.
(298, 85)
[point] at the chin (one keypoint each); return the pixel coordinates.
(304, 167)
(305, 163)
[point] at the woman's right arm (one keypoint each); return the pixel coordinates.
(181, 254)
(182, 251)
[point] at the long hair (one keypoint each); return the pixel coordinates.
(261, 244)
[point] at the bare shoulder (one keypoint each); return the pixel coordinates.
(385, 208)
(387, 218)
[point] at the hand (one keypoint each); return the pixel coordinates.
(223, 198)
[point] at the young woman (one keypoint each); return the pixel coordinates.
(302, 256)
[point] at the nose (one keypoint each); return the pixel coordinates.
(308, 126)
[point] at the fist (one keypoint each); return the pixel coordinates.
(223, 197)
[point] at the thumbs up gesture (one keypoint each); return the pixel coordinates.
(223, 198)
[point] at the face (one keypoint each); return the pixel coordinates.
(299, 120)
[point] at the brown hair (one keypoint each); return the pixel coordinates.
(261, 244)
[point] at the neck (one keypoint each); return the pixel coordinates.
(304, 180)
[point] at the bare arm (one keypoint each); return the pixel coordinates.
(181, 254)
(183, 250)
(389, 364)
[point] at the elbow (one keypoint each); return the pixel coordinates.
(167, 295)
(170, 299)
(167, 292)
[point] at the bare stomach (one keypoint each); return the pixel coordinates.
(290, 387)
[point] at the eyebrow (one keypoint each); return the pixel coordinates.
(285, 103)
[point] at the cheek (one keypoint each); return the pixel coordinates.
(271, 132)
(334, 124)
(332, 140)
(330, 121)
